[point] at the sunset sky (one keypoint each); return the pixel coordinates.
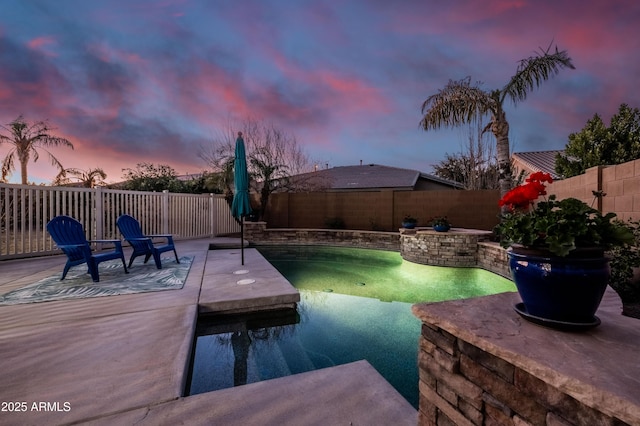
(131, 81)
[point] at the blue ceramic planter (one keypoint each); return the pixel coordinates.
(441, 228)
(563, 290)
(408, 225)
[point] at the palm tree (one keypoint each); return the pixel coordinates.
(88, 178)
(461, 102)
(26, 139)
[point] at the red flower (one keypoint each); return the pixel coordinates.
(523, 196)
(540, 177)
(518, 198)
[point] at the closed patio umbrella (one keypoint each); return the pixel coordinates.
(241, 206)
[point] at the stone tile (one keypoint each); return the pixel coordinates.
(444, 406)
(502, 391)
(498, 366)
(444, 341)
(463, 387)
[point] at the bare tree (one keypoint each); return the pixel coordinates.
(274, 159)
(476, 165)
(219, 156)
(482, 171)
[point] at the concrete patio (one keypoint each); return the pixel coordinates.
(124, 359)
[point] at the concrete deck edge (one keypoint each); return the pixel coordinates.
(352, 393)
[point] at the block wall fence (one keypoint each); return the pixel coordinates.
(383, 210)
(620, 185)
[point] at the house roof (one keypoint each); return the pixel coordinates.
(376, 176)
(539, 161)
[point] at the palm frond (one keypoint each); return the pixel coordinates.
(95, 173)
(48, 140)
(459, 102)
(7, 164)
(533, 71)
(53, 160)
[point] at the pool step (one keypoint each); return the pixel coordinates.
(268, 360)
(296, 356)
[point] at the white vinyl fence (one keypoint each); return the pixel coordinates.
(25, 211)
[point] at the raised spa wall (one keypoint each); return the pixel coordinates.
(479, 362)
(457, 247)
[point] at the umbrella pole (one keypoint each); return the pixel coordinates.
(242, 238)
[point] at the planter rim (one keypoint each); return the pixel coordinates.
(579, 254)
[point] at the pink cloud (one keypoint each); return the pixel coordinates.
(36, 100)
(338, 91)
(204, 89)
(43, 45)
(36, 43)
(354, 95)
(110, 54)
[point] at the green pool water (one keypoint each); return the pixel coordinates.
(379, 274)
(355, 304)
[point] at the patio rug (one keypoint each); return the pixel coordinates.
(141, 278)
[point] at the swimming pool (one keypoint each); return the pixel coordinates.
(355, 304)
(379, 274)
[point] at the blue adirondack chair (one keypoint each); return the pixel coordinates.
(143, 244)
(69, 237)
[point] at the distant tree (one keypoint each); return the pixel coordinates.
(274, 158)
(151, 177)
(475, 167)
(26, 140)
(625, 132)
(206, 182)
(461, 102)
(453, 167)
(88, 178)
(219, 155)
(596, 144)
(467, 171)
(585, 149)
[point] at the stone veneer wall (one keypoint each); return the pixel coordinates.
(457, 247)
(462, 384)
(493, 258)
(257, 233)
(481, 364)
